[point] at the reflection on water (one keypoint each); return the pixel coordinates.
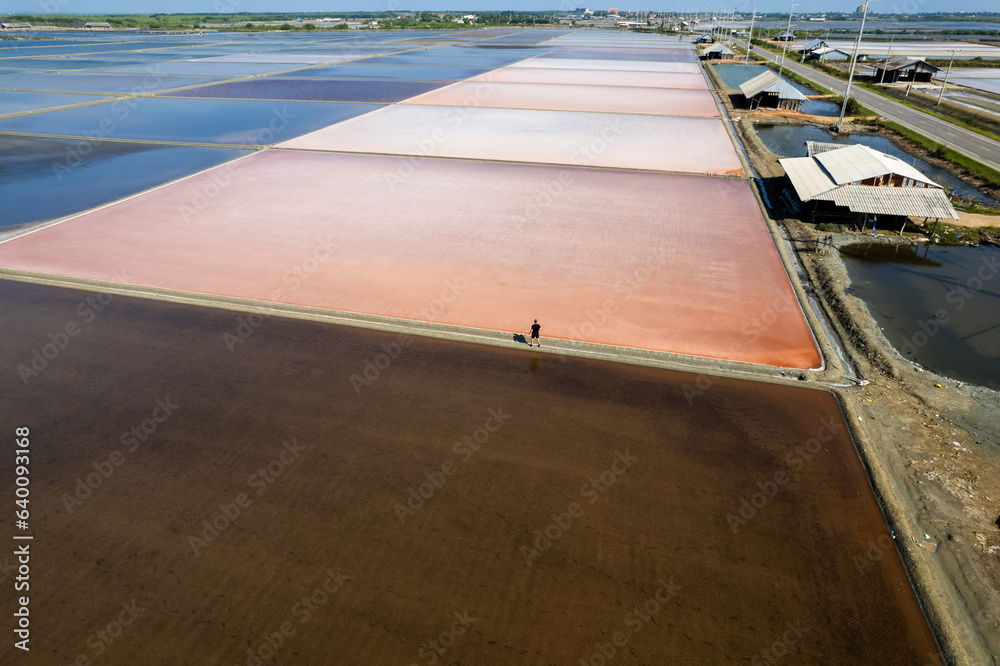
(43, 179)
(790, 141)
(939, 306)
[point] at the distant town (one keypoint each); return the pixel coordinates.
(580, 17)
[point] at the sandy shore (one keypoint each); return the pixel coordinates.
(977, 220)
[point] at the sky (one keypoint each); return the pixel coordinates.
(225, 6)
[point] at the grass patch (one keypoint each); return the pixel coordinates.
(976, 209)
(953, 234)
(991, 176)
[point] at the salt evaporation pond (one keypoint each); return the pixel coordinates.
(190, 120)
(383, 235)
(672, 529)
(43, 179)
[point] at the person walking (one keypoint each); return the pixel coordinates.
(535, 328)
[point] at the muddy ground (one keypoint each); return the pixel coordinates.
(318, 494)
(931, 443)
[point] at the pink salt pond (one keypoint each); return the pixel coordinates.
(665, 262)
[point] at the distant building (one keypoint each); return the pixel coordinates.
(858, 182)
(899, 68)
(825, 54)
(97, 26)
(705, 39)
(770, 90)
(718, 52)
(15, 26)
(785, 37)
(862, 9)
(810, 46)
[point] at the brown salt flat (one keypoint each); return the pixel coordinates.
(562, 97)
(653, 261)
(621, 141)
(789, 574)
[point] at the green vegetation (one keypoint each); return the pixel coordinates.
(982, 210)
(972, 62)
(954, 234)
(447, 20)
(991, 176)
(253, 21)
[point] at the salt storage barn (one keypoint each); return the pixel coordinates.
(857, 182)
(769, 89)
(900, 68)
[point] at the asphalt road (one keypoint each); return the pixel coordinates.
(976, 146)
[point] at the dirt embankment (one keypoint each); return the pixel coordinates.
(930, 443)
(932, 449)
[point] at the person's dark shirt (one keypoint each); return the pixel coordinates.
(534, 330)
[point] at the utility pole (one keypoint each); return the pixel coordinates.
(947, 74)
(854, 60)
(785, 47)
(887, 57)
(750, 36)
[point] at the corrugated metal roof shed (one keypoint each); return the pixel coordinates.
(856, 162)
(813, 45)
(719, 48)
(907, 201)
(902, 62)
(785, 90)
(829, 52)
(758, 84)
(807, 176)
(770, 82)
(828, 174)
(817, 147)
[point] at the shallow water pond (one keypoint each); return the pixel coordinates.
(939, 306)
